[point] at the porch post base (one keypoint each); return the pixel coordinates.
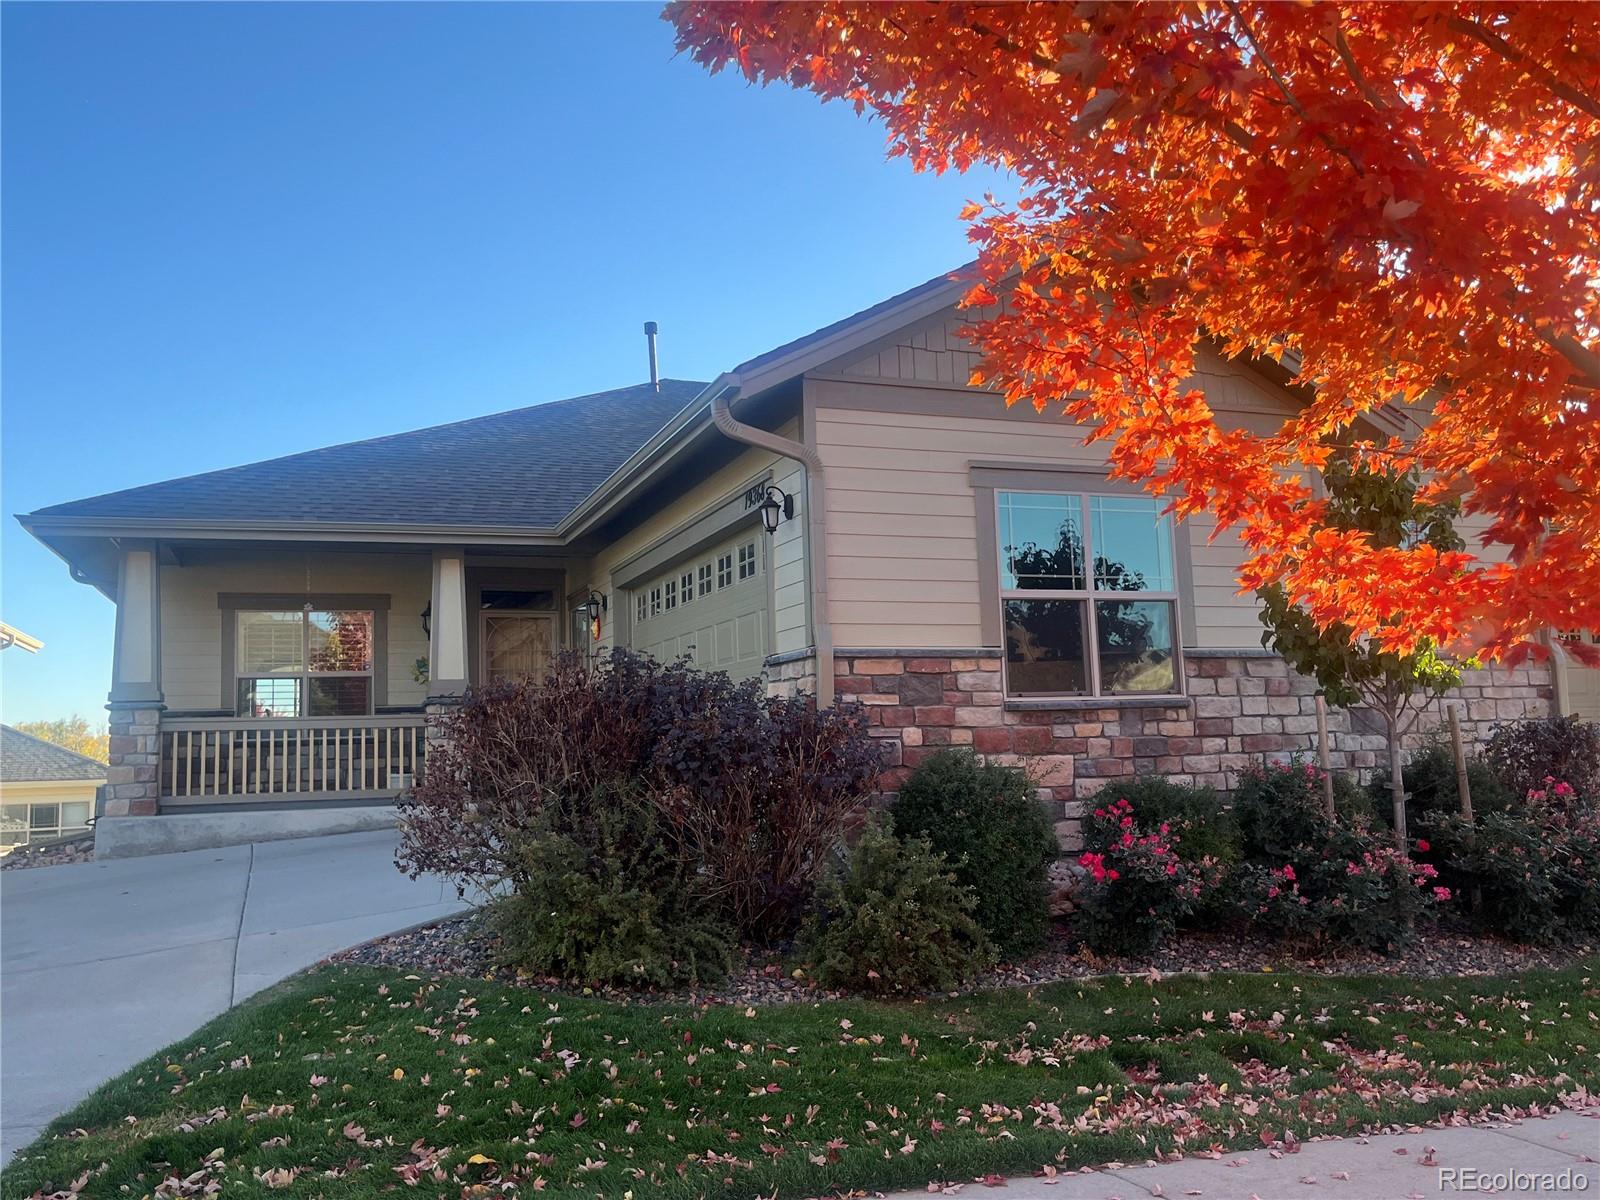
(133, 786)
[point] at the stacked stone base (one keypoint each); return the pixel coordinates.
(133, 787)
(1239, 708)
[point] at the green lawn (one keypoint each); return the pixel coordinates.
(355, 1081)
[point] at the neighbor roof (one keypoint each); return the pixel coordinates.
(27, 759)
(527, 468)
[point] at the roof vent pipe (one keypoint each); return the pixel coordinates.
(650, 329)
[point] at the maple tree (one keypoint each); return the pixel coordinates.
(1397, 203)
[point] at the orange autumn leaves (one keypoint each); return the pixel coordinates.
(1397, 202)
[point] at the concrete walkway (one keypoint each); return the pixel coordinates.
(104, 963)
(1553, 1156)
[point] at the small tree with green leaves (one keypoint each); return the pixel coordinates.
(1383, 504)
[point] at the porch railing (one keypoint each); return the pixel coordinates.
(221, 760)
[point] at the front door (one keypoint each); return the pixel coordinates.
(516, 645)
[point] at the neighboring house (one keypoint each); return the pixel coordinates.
(46, 790)
(965, 570)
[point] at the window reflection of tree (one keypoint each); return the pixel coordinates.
(347, 643)
(1040, 630)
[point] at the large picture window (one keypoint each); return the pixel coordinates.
(304, 664)
(1088, 595)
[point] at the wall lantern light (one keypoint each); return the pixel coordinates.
(427, 621)
(777, 506)
(595, 606)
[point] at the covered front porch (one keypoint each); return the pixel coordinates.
(249, 676)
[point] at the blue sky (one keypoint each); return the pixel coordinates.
(235, 231)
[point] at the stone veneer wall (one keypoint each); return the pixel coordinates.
(133, 787)
(1239, 707)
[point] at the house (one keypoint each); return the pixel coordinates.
(965, 570)
(46, 790)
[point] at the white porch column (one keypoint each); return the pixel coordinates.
(136, 657)
(135, 703)
(447, 641)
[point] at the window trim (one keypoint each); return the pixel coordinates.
(989, 481)
(232, 603)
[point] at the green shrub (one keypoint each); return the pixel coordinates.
(1530, 755)
(601, 899)
(1202, 825)
(988, 823)
(1324, 881)
(1534, 870)
(1279, 806)
(1140, 886)
(894, 918)
(1430, 780)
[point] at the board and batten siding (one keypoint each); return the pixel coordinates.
(902, 519)
(785, 550)
(191, 622)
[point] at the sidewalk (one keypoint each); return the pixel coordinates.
(104, 963)
(1544, 1157)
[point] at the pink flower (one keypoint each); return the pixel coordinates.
(1563, 788)
(1441, 893)
(1172, 868)
(1112, 874)
(1288, 872)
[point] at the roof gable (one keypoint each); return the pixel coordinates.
(527, 468)
(27, 759)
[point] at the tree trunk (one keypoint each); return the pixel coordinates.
(1397, 782)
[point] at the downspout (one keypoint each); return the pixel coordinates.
(816, 524)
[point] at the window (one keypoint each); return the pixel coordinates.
(303, 664)
(672, 595)
(724, 570)
(21, 824)
(655, 601)
(747, 561)
(687, 584)
(705, 579)
(1088, 595)
(641, 607)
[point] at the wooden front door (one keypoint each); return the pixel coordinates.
(516, 645)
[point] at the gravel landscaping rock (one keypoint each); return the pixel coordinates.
(465, 946)
(50, 854)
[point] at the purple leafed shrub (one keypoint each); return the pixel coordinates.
(752, 793)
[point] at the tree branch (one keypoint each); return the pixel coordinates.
(1536, 71)
(1294, 102)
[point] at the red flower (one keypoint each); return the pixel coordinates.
(1422, 845)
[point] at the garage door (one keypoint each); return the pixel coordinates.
(711, 607)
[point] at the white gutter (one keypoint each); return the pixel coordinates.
(816, 522)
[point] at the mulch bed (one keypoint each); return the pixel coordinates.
(50, 854)
(465, 946)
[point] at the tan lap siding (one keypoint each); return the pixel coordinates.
(902, 519)
(191, 623)
(785, 550)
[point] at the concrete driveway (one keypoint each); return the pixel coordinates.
(101, 964)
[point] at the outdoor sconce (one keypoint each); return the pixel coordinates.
(595, 606)
(777, 506)
(427, 621)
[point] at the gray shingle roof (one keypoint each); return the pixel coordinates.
(527, 468)
(937, 283)
(26, 759)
